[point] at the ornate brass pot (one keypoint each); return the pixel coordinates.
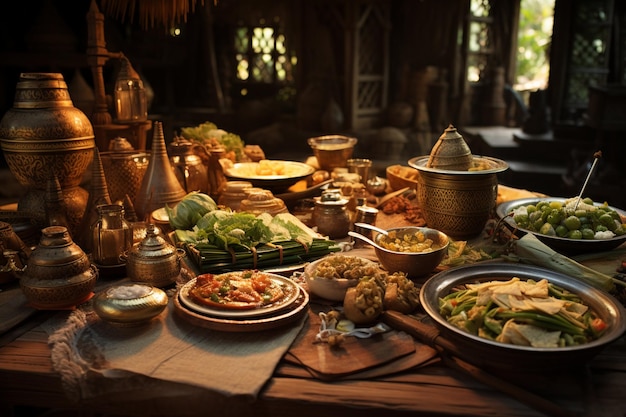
(58, 273)
(154, 261)
(43, 134)
(45, 131)
(455, 202)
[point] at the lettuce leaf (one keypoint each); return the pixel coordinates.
(239, 231)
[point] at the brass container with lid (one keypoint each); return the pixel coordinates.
(331, 216)
(456, 190)
(58, 273)
(153, 260)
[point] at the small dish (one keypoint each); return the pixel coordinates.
(129, 304)
(325, 283)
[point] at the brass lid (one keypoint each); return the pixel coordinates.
(152, 246)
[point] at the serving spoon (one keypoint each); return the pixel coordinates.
(371, 227)
(367, 240)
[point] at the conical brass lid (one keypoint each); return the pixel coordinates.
(159, 186)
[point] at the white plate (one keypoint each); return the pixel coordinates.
(290, 287)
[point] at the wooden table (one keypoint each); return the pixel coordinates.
(27, 378)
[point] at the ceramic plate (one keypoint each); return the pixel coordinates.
(296, 311)
(289, 287)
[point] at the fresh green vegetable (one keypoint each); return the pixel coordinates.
(573, 219)
(209, 135)
(189, 210)
(224, 240)
(531, 250)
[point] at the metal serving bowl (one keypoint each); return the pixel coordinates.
(559, 244)
(501, 356)
(332, 151)
(414, 264)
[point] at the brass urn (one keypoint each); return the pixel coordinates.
(43, 134)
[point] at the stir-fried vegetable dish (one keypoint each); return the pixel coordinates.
(528, 313)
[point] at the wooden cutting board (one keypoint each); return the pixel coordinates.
(353, 355)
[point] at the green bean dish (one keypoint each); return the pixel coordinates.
(526, 313)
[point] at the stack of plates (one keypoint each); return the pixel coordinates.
(288, 309)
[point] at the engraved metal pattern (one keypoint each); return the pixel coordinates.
(456, 205)
(44, 133)
(64, 294)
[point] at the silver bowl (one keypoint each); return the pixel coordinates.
(414, 264)
(559, 244)
(496, 355)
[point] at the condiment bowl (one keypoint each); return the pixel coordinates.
(401, 176)
(414, 264)
(500, 356)
(129, 304)
(348, 270)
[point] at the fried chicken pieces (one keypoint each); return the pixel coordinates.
(363, 303)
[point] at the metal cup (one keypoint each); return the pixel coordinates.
(360, 166)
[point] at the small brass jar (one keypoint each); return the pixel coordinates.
(153, 260)
(331, 215)
(58, 273)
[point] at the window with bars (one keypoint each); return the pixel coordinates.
(588, 55)
(261, 55)
(480, 39)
